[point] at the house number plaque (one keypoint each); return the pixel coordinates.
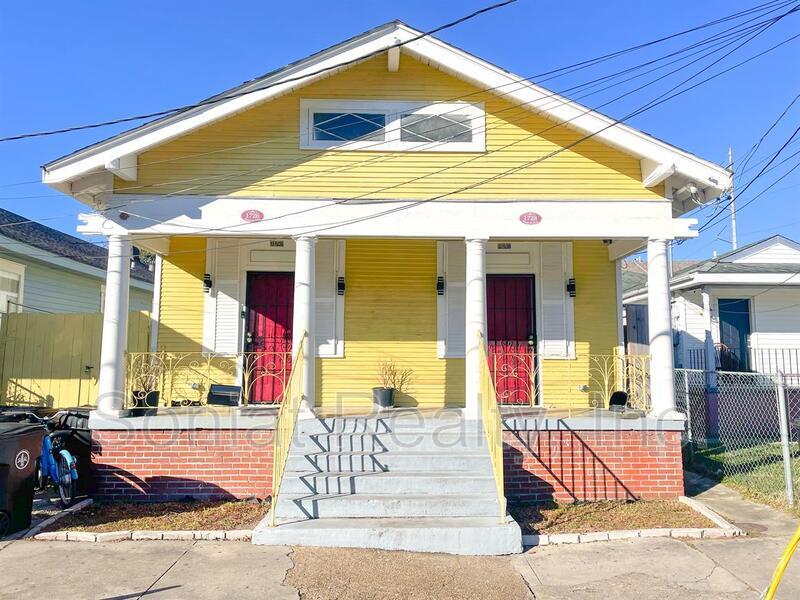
(530, 218)
(252, 215)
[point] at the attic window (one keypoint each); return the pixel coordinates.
(383, 125)
(348, 126)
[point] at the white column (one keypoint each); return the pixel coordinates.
(111, 381)
(304, 260)
(475, 312)
(662, 383)
(711, 354)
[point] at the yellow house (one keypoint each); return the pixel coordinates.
(395, 203)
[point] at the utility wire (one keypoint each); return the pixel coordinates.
(225, 97)
(648, 106)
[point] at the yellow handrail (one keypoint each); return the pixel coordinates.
(492, 425)
(285, 424)
(769, 593)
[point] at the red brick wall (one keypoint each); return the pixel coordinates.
(204, 464)
(570, 466)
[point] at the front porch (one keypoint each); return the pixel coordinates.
(230, 311)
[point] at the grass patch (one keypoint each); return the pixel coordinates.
(165, 516)
(753, 469)
(605, 515)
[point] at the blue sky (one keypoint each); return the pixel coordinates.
(66, 63)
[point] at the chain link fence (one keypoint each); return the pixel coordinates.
(743, 431)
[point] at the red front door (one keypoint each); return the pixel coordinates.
(268, 337)
(511, 337)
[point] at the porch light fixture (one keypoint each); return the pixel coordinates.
(207, 283)
(440, 286)
(340, 286)
(571, 289)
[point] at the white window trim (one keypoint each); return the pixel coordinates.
(18, 269)
(393, 111)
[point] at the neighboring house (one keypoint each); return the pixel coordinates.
(376, 203)
(740, 310)
(45, 270)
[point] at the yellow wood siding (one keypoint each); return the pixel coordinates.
(390, 313)
(595, 329)
(43, 357)
(180, 327)
(257, 152)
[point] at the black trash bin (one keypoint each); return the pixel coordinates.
(20, 447)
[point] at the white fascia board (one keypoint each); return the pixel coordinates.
(566, 219)
(781, 279)
(430, 50)
(61, 262)
(696, 280)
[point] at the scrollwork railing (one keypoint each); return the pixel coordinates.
(185, 378)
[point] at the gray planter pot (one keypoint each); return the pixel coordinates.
(383, 398)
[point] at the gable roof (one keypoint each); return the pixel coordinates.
(635, 283)
(766, 242)
(634, 272)
(52, 241)
(659, 159)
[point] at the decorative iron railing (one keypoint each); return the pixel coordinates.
(588, 380)
(285, 424)
(492, 425)
(185, 378)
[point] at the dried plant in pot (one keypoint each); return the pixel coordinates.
(145, 393)
(393, 379)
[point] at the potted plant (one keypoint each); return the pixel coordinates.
(145, 396)
(392, 379)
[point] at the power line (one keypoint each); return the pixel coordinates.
(224, 97)
(651, 104)
(715, 39)
(720, 211)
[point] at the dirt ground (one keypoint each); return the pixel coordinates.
(606, 516)
(326, 573)
(165, 516)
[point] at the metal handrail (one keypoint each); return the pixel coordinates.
(285, 424)
(492, 425)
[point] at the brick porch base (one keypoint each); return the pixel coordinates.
(571, 466)
(204, 464)
(215, 464)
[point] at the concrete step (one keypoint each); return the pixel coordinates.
(358, 506)
(387, 441)
(395, 420)
(432, 461)
(465, 536)
(388, 482)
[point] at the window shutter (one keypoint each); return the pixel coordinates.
(329, 316)
(556, 317)
(451, 319)
(227, 316)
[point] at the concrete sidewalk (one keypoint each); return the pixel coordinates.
(659, 568)
(665, 568)
(129, 570)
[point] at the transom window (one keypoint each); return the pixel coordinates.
(350, 126)
(390, 125)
